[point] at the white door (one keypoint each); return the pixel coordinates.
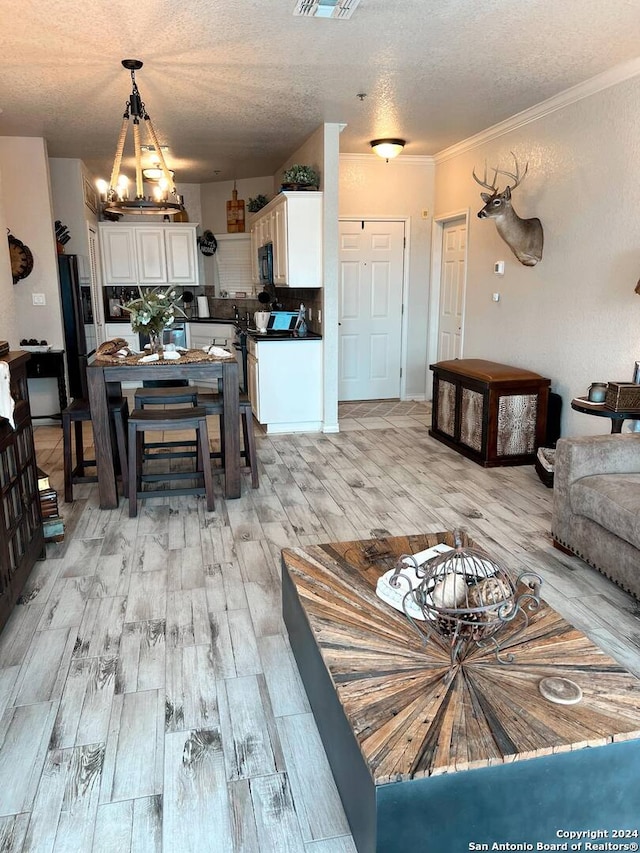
(452, 289)
(370, 309)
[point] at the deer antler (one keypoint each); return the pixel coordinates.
(483, 183)
(517, 178)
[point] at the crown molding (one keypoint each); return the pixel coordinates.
(596, 84)
(405, 159)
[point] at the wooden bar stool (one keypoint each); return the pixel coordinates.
(213, 405)
(78, 413)
(168, 420)
(167, 396)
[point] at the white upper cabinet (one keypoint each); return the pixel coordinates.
(292, 221)
(182, 264)
(149, 254)
(118, 251)
(152, 256)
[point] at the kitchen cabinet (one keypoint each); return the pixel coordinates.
(292, 221)
(285, 384)
(221, 334)
(149, 254)
(21, 537)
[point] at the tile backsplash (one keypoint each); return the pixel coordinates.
(288, 297)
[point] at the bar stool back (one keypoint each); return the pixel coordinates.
(167, 396)
(168, 420)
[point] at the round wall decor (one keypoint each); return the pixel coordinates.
(21, 259)
(208, 243)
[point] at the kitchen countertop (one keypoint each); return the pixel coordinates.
(281, 336)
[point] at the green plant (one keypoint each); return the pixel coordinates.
(257, 203)
(153, 310)
(305, 175)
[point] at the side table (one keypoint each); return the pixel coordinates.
(49, 365)
(584, 405)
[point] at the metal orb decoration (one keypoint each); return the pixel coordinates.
(467, 598)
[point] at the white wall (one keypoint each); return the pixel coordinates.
(28, 212)
(214, 198)
(8, 312)
(404, 187)
(574, 317)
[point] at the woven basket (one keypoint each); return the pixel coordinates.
(622, 396)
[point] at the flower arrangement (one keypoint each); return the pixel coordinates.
(153, 311)
(303, 175)
(257, 203)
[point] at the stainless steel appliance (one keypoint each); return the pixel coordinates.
(265, 263)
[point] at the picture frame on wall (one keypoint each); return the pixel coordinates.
(90, 195)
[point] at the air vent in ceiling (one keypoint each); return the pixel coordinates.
(325, 8)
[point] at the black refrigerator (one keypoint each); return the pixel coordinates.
(76, 316)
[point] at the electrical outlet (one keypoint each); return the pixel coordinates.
(319, 315)
(38, 299)
(425, 213)
(310, 314)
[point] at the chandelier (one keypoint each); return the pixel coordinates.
(115, 195)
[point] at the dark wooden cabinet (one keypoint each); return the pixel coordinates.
(49, 365)
(21, 536)
(493, 413)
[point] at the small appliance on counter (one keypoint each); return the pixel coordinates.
(203, 306)
(261, 319)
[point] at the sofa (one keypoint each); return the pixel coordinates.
(596, 504)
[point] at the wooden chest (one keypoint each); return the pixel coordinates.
(493, 413)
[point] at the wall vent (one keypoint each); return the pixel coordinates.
(325, 8)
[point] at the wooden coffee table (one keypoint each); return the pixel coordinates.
(430, 766)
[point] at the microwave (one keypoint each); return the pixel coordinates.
(265, 263)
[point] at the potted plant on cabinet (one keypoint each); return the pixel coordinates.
(299, 177)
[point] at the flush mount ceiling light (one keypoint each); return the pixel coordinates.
(115, 194)
(325, 8)
(155, 174)
(387, 148)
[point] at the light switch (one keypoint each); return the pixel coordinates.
(498, 268)
(496, 297)
(38, 299)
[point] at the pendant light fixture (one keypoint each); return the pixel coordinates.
(115, 195)
(387, 148)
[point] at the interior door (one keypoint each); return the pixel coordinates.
(370, 309)
(453, 278)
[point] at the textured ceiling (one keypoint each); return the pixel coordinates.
(234, 87)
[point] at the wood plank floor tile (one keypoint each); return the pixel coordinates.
(243, 640)
(191, 695)
(141, 661)
(276, 819)
(282, 677)
(134, 754)
(44, 672)
(147, 599)
(317, 800)
(196, 813)
(24, 735)
(250, 738)
(13, 830)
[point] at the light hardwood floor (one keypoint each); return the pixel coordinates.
(148, 697)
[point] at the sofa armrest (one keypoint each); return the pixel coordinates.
(599, 454)
(583, 457)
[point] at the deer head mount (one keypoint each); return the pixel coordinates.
(523, 236)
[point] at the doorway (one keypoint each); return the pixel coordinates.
(370, 309)
(449, 277)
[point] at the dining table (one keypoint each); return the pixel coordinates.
(104, 378)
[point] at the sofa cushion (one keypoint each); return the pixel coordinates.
(612, 501)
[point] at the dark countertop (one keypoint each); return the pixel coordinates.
(281, 336)
(221, 320)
